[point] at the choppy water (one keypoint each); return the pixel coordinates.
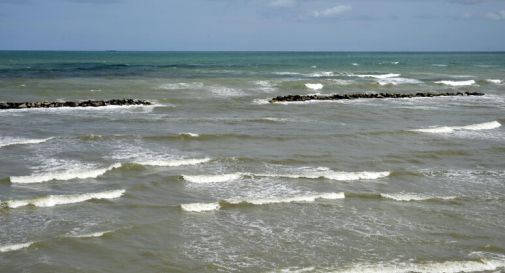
(214, 179)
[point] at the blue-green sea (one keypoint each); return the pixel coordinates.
(214, 178)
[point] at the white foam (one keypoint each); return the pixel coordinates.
(189, 134)
(199, 207)
(450, 129)
(181, 85)
(480, 265)
(53, 200)
(323, 172)
(261, 101)
(322, 74)
(406, 197)
(314, 86)
(494, 81)
(440, 65)
(15, 247)
(355, 64)
(342, 82)
(378, 76)
(395, 63)
(299, 198)
(396, 81)
(79, 173)
(7, 141)
(265, 86)
(91, 235)
(224, 91)
(173, 162)
(457, 83)
(287, 73)
(218, 178)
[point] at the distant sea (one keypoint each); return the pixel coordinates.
(214, 178)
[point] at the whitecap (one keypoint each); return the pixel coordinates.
(8, 141)
(495, 81)
(15, 247)
(406, 197)
(457, 83)
(189, 134)
(286, 73)
(81, 172)
(261, 101)
(54, 200)
(300, 198)
(342, 82)
(224, 91)
(218, 178)
(322, 74)
(265, 86)
(314, 86)
(181, 85)
(450, 129)
(323, 172)
(440, 65)
(91, 235)
(173, 162)
(199, 207)
(378, 76)
(480, 265)
(396, 81)
(355, 64)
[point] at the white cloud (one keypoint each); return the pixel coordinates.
(331, 12)
(500, 15)
(282, 3)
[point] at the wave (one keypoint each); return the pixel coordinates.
(224, 91)
(494, 81)
(261, 101)
(173, 162)
(9, 248)
(314, 86)
(481, 264)
(79, 173)
(199, 207)
(457, 83)
(309, 173)
(146, 108)
(396, 81)
(355, 64)
(219, 178)
(406, 197)
(189, 134)
(376, 76)
(342, 82)
(91, 235)
(322, 74)
(8, 141)
(265, 86)
(181, 85)
(54, 200)
(450, 129)
(440, 65)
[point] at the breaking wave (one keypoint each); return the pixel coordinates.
(173, 162)
(397, 81)
(450, 129)
(54, 200)
(406, 197)
(78, 173)
(8, 141)
(181, 85)
(376, 76)
(314, 86)
(457, 83)
(14, 247)
(219, 178)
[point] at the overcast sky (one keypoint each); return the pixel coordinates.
(306, 25)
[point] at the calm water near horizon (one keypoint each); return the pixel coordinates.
(213, 178)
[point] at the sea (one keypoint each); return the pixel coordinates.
(212, 177)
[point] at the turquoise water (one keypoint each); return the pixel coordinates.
(213, 178)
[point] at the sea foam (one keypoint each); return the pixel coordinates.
(397, 81)
(15, 247)
(78, 173)
(457, 83)
(54, 200)
(314, 86)
(406, 197)
(199, 207)
(377, 76)
(7, 141)
(494, 81)
(480, 265)
(219, 178)
(173, 162)
(450, 129)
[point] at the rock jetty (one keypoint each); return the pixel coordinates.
(291, 98)
(86, 103)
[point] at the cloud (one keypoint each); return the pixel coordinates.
(331, 12)
(499, 15)
(282, 3)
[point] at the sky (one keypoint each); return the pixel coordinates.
(253, 25)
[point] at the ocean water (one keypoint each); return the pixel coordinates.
(213, 178)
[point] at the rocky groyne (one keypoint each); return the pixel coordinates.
(85, 103)
(291, 98)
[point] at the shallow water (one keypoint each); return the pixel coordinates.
(212, 178)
